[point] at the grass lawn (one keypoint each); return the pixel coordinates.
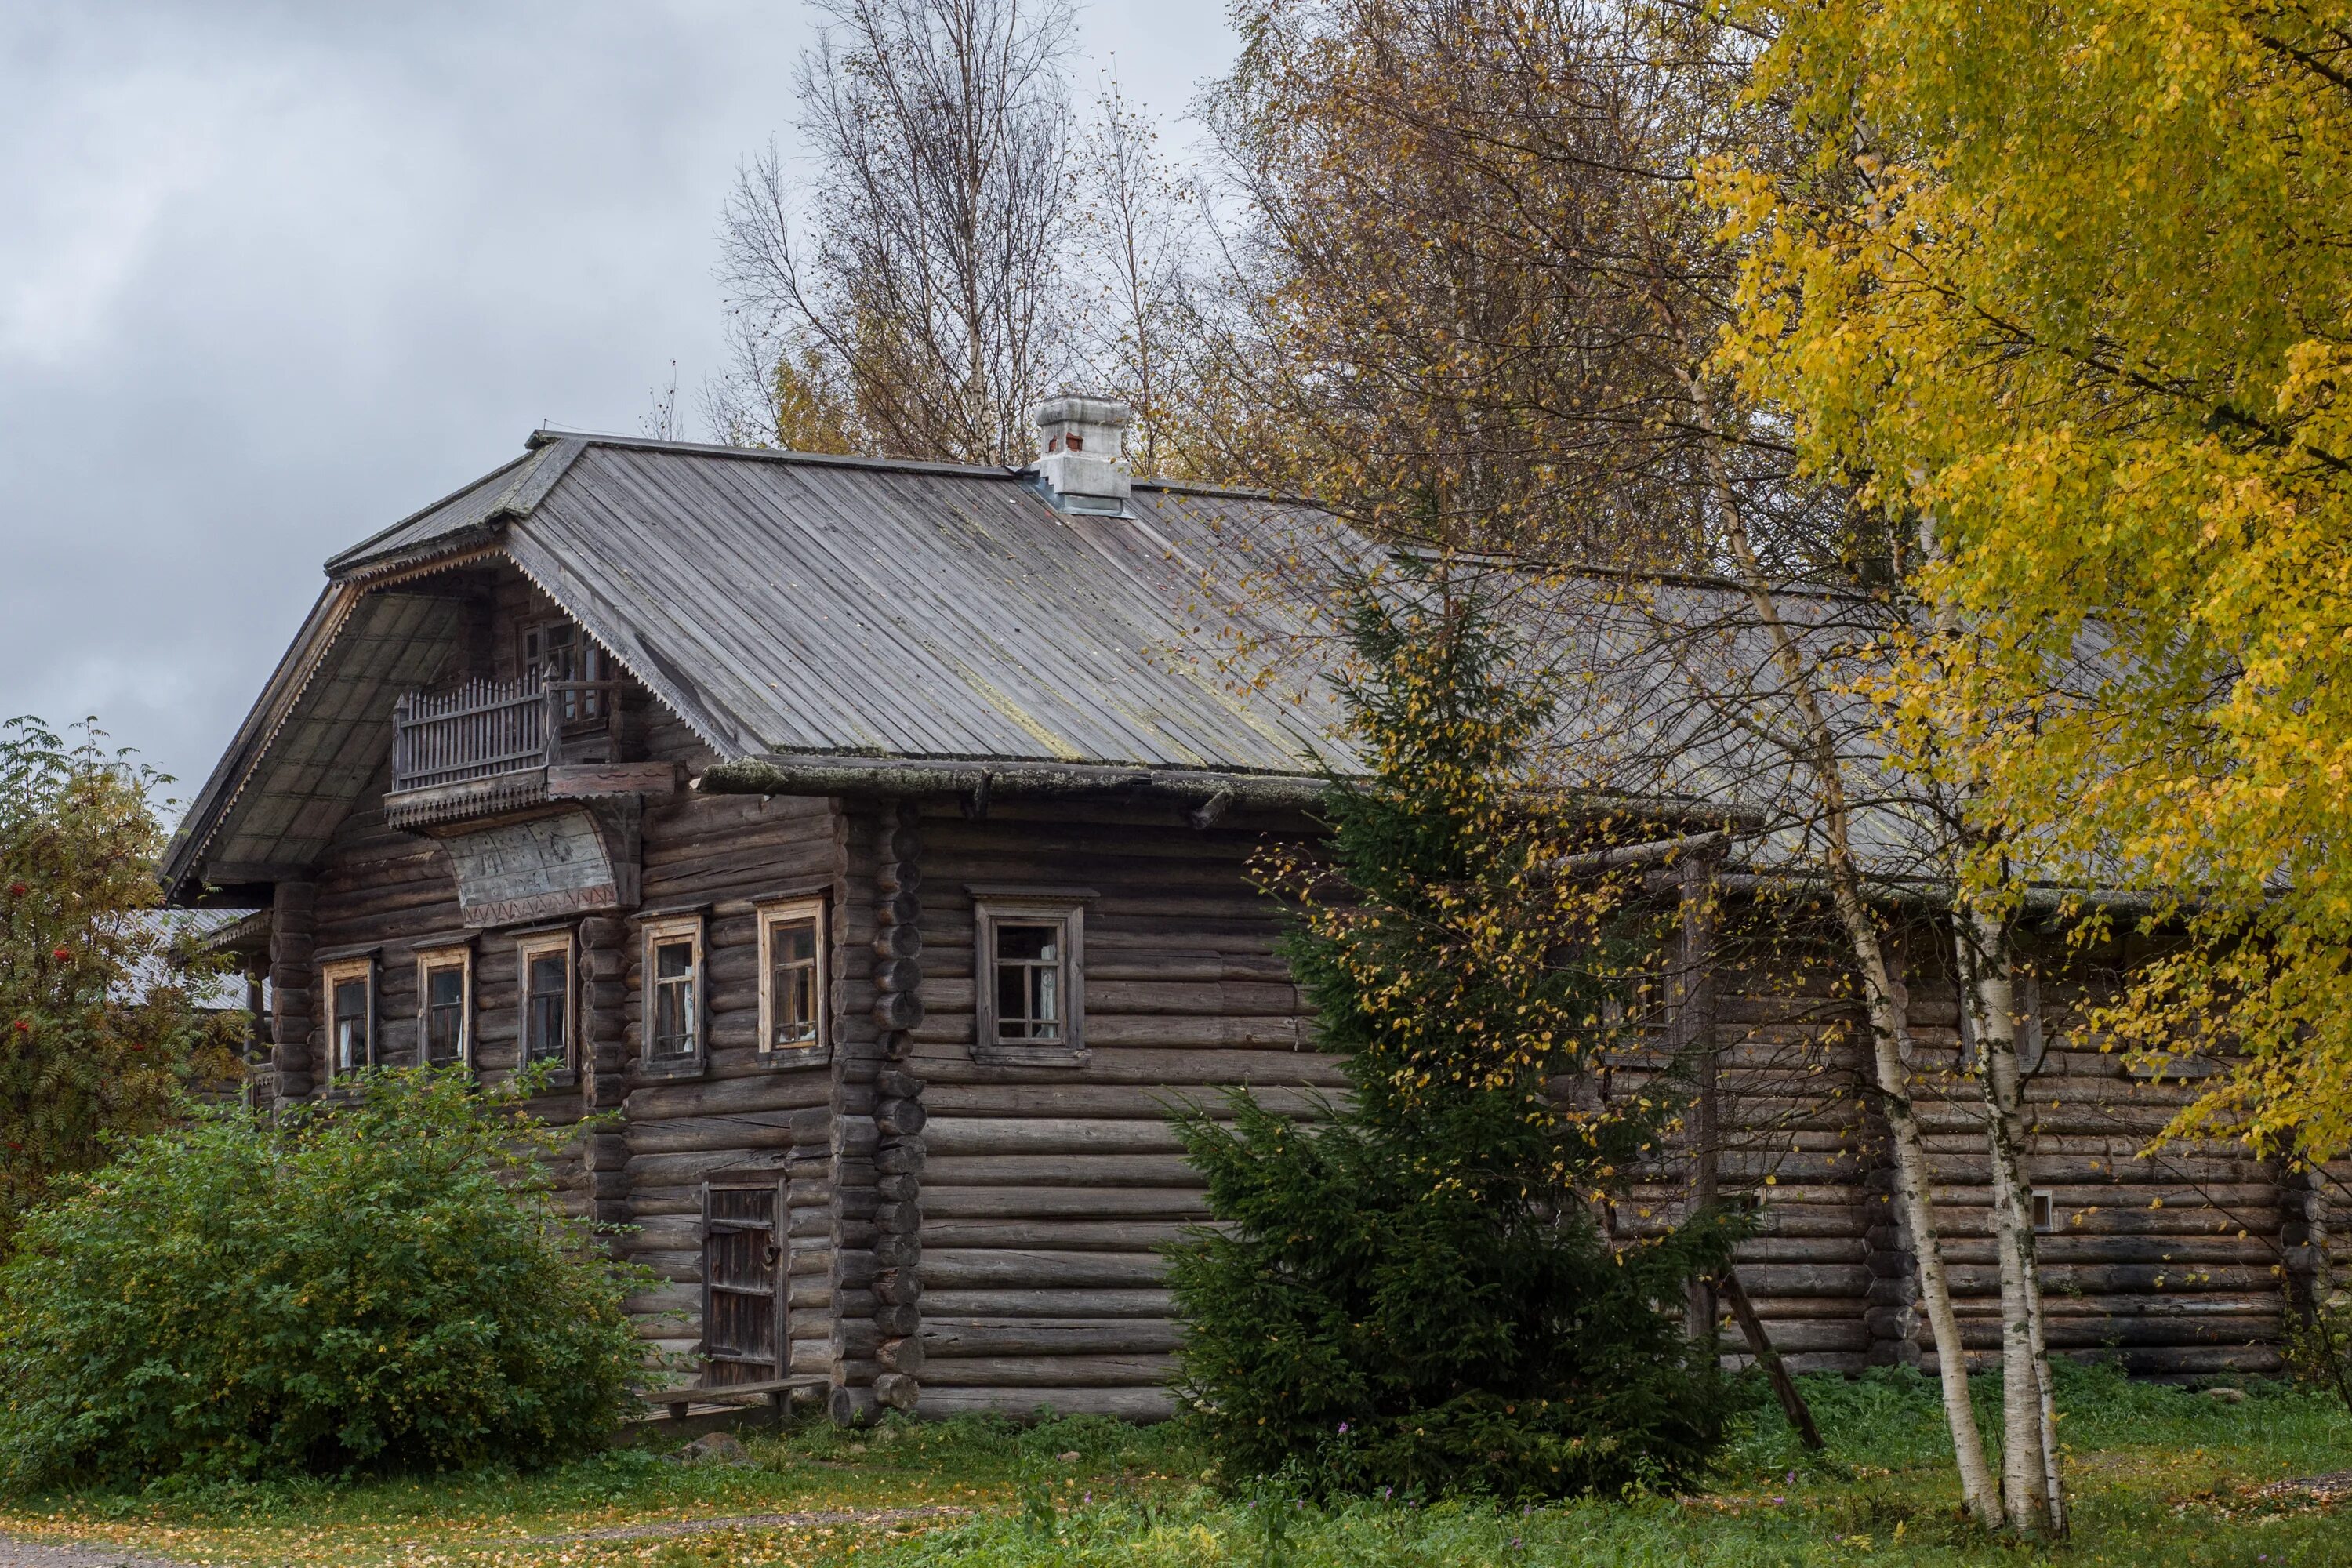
(2158, 1476)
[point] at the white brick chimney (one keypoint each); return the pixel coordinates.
(1081, 454)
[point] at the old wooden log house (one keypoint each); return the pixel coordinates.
(864, 835)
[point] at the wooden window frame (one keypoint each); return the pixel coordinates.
(588, 654)
(337, 973)
(771, 914)
(658, 933)
(538, 945)
(992, 909)
(2041, 1211)
(459, 956)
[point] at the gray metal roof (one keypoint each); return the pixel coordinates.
(920, 612)
(783, 603)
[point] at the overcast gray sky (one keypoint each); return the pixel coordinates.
(274, 273)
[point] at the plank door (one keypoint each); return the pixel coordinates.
(743, 1338)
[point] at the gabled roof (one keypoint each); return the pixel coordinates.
(783, 603)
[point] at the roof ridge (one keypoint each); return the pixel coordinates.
(545, 436)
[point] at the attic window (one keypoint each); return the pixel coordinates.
(558, 652)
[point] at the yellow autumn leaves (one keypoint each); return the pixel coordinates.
(2065, 286)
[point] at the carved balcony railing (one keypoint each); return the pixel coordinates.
(476, 731)
(489, 744)
(486, 749)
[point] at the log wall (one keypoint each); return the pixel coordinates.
(2174, 1263)
(718, 855)
(1047, 1190)
(972, 1236)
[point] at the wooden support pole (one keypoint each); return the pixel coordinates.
(1693, 1035)
(1792, 1400)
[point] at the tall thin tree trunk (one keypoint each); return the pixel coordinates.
(1886, 1000)
(2031, 1487)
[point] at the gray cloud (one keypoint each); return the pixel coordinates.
(274, 274)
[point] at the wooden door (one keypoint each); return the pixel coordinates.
(743, 1336)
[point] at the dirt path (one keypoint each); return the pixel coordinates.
(16, 1553)
(662, 1527)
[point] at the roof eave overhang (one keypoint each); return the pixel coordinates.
(184, 857)
(834, 775)
(185, 853)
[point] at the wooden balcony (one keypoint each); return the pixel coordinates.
(486, 746)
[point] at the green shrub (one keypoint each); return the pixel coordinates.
(102, 1021)
(384, 1284)
(2319, 1346)
(1410, 1292)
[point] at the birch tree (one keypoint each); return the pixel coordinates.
(907, 297)
(2072, 280)
(1482, 250)
(1137, 225)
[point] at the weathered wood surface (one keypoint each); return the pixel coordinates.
(1002, 1226)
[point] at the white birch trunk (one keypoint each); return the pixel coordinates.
(1887, 1002)
(2030, 1488)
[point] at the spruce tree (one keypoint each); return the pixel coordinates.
(1411, 1292)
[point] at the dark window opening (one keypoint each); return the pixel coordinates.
(350, 1016)
(2045, 1213)
(793, 983)
(444, 1014)
(674, 1021)
(1029, 986)
(548, 995)
(557, 651)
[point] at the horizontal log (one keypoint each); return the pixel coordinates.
(1792, 1337)
(2176, 1361)
(1072, 1302)
(1149, 1068)
(1059, 1235)
(2146, 1333)
(1051, 1372)
(1118, 1101)
(1784, 1279)
(2223, 1250)
(950, 1339)
(954, 1028)
(943, 1201)
(949, 1137)
(753, 1093)
(654, 1170)
(949, 1268)
(1122, 1404)
(764, 1130)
